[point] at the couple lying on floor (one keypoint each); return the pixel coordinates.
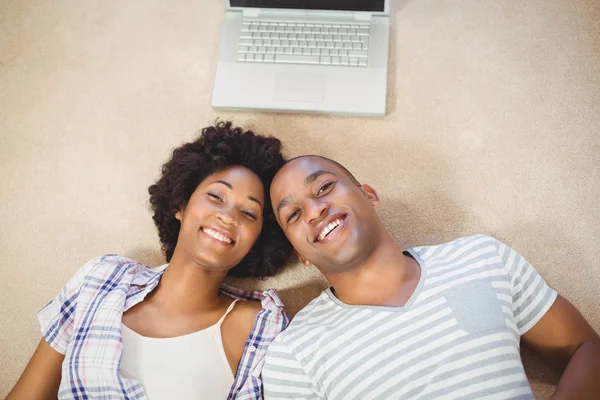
(430, 322)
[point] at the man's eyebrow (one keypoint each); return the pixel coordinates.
(283, 203)
(231, 187)
(313, 177)
(307, 181)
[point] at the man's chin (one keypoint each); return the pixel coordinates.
(344, 261)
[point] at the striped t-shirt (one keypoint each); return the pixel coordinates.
(456, 338)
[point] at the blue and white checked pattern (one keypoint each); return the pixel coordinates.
(84, 323)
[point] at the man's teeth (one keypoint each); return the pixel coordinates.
(217, 235)
(329, 228)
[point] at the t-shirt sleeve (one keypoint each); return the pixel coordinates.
(531, 295)
(56, 318)
(283, 376)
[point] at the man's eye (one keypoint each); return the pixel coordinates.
(324, 188)
(292, 215)
(214, 196)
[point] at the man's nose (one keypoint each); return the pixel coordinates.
(315, 210)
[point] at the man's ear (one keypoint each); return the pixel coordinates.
(370, 193)
(302, 259)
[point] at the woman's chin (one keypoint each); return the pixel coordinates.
(211, 262)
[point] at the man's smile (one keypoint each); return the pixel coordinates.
(326, 227)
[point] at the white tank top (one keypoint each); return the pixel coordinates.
(191, 366)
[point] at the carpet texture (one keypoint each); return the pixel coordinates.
(492, 127)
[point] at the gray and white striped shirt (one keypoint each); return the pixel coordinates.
(457, 336)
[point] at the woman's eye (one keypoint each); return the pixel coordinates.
(249, 214)
(324, 188)
(293, 215)
(214, 196)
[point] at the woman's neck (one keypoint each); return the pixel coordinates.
(188, 287)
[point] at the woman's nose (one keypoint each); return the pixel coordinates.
(228, 217)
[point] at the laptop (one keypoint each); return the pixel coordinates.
(323, 56)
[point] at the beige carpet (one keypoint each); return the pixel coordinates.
(493, 126)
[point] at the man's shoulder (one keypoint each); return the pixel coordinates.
(462, 244)
(306, 318)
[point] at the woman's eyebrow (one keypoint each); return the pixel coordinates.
(223, 182)
(255, 200)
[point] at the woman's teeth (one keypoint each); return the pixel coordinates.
(217, 235)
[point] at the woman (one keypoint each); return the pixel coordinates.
(121, 330)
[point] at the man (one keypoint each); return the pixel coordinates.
(434, 322)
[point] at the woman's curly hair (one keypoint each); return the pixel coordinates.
(218, 147)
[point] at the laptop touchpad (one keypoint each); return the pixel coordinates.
(306, 88)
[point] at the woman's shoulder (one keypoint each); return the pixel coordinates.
(107, 267)
(247, 311)
(264, 310)
(268, 299)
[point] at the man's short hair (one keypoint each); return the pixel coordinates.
(344, 169)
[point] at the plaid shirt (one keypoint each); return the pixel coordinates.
(84, 323)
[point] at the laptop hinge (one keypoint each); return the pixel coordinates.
(250, 12)
(362, 17)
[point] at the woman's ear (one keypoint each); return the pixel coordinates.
(302, 259)
(179, 214)
(370, 193)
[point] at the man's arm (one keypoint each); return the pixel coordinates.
(565, 339)
(41, 378)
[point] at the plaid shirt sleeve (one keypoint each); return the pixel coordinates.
(270, 321)
(57, 317)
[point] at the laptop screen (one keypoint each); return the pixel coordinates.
(341, 5)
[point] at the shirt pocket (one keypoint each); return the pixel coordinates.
(476, 307)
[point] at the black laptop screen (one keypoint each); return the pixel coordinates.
(342, 5)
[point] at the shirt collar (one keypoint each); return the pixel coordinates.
(146, 276)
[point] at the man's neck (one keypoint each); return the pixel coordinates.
(187, 287)
(387, 277)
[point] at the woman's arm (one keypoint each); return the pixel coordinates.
(41, 377)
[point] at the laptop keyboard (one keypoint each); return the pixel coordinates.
(304, 43)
